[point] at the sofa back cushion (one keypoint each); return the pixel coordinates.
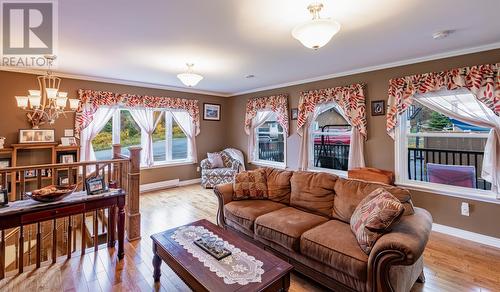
(278, 185)
(350, 192)
(313, 192)
(250, 184)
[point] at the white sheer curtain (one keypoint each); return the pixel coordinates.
(187, 125)
(257, 121)
(100, 118)
(356, 146)
(144, 117)
(462, 105)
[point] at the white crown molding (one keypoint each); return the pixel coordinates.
(292, 83)
(464, 234)
(116, 81)
(377, 67)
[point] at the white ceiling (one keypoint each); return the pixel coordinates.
(150, 41)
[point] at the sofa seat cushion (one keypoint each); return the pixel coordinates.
(245, 212)
(333, 244)
(285, 226)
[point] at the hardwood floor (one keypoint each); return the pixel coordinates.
(451, 264)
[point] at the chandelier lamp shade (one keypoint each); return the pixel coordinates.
(189, 78)
(47, 103)
(316, 32)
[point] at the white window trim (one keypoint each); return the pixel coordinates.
(401, 168)
(310, 149)
(169, 162)
(267, 163)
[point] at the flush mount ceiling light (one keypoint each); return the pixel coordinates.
(189, 78)
(316, 32)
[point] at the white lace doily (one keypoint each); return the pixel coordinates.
(239, 267)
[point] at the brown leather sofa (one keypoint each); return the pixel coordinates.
(305, 220)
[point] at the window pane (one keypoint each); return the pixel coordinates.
(159, 140)
(444, 150)
(130, 134)
(332, 136)
(271, 141)
(103, 142)
(179, 142)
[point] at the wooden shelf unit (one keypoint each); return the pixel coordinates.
(14, 151)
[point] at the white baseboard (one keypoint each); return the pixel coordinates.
(167, 184)
(190, 182)
(464, 234)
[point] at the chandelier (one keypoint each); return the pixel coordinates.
(316, 32)
(47, 103)
(190, 78)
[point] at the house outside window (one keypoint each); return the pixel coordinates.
(270, 144)
(439, 152)
(330, 142)
(170, 143)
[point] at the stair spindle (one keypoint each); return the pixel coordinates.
(2, 255)
(38, 244)
(96, 231)
(69, 237)
(21, 249)
(54, 241)
(83, 233)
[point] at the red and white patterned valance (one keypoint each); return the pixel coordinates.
(276, 103)
(91, 100)
(350, 98)
(483, 81)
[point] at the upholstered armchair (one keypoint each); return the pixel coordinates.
(212, 176)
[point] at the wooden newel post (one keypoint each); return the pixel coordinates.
(133, 216)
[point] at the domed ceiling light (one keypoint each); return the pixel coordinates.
(316, 32)
(189, 78)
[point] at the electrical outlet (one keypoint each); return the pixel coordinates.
(465, 209)
(198, 169)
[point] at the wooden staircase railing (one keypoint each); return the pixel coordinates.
(48, 240)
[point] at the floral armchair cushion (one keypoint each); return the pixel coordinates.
(227, 160)
(212, 176)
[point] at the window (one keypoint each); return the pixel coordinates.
(103, 142)
(270, 143)
(330, 140)
(434, 148)
(170, 143)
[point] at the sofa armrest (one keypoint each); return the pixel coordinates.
(205, 164)
(404, 245)
(224, 193)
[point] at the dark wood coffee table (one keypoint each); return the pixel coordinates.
(199, 278)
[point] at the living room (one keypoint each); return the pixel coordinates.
(251, 145)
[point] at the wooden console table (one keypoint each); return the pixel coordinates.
(21, 213)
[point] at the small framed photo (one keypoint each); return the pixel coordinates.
(211, 112)
(69, 133)
(294, 113)
(36, 136)
(66, 158)
(378, 107)
(95, 185)
(46, 172)
(68, 141)
(30, 173)
(63, 180)
(4, 163)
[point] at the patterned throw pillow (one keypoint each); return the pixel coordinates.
(374, 216)
(215, 160)
(250, 185)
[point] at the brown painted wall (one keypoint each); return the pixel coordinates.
(379, 148)
(12, 119)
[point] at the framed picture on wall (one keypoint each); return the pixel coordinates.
(294, 113)
(211, 112)
(378, 107)
(36, 136)
(4, 163)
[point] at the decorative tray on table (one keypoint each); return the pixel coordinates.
(51, 193)
(211, 251)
